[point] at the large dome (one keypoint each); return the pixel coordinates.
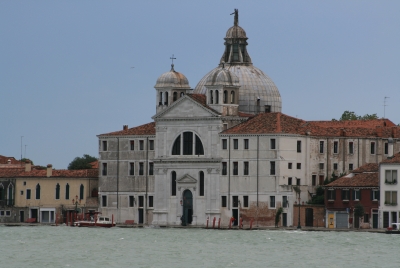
(172, 79)
(257, 92)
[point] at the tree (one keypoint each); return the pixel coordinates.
(358, 211)
(82, 162)
(350, 115)
(278, 216)
(26, 159)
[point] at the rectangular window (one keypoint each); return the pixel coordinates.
(272, 168)
(298, 181)
(335, 147)
(386, 148)
(390, 176)
(141, 168)
(314, 180)
(224, 168)
(235, 144)
(321, 147)
(223, 201)
(285, 203)
(272, 201)
(374, 194)
(104, 171)
(150, 201)
(289, 181)
(173, 183)
(201, 188)
(104, 201)
(225, 126)
(335, 166)
(132, 143)
(372, 147)
(131, 201)
(235, 168)
(356, 194)
(28, 193)
(141, 145)
(131, 169)
(345, 195)
(299, 146)
(272, 144)
(246, 144)
(224, 144)
(390, 197)
(298, 165)
(321, 166)
(235, 201)
(366, 218)
(289, 165)
(245, 168)
(141, 201)
(331, 194)
(1, 212)
(151, 168)
(350, 167)
(151, 145)
(22, 192)
(104, 145)
(245, 201)
(351, 147)
(8, 213)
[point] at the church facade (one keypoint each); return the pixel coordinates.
(224, 150)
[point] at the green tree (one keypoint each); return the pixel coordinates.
(319, 197)
(278, 216)
(26, 159)
(358, 211)
(350, 115)
(82, 162)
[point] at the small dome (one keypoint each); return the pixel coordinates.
(236, 32)
(172, 79)
(222, 77)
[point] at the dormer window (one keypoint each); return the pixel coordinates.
(187, 143)
(216, 97)
(225, 96)
(211, 97)
(232, 97)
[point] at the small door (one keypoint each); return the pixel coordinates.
(187, 208)
(21, 216)
(284, 219)
(375, 221)
(140, 210)
(35, 214)
(385, 219)
(342, 220)
(321, 179)
(235, 214)
(331, 220)
(309, 217)
(356, 222)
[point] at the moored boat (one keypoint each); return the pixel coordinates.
(393, 230)
(95, 220)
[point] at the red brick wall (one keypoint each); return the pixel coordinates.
(318, 215)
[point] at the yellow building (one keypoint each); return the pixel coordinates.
(47, 195)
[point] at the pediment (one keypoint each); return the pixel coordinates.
(186, 179)
(186, 108)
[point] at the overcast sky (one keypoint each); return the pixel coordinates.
(66, 66)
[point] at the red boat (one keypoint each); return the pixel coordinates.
(94, 220)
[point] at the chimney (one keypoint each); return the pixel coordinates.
(9, 161)
(49, 170)
(28, 166)
(394, 132)
(378, 131)
(278, 123)
(342, 132)
(390, 147)
(125, 127)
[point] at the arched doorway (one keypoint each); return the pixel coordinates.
(187, 207)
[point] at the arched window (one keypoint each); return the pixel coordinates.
(173, 183)
(258, 105)
(216, 97)
(58, 191)
(38, 191)
(191, 144)
(175, 96)
(211, 97)
(67, 191)
(10, 195)
(160, 100)
(81, 190)
(166, 99)
(201, 182)
(1, 192)
(176, 149)
(225, 96)
(232, 96)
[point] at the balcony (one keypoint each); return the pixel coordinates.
(394, 182)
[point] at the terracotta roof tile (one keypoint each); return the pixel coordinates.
(368, 167)
(10, 172)
(81, 173)
(392, 160)
(94, 164)
(359, 180)
(201, 99)
(146, 129)
(4, 160)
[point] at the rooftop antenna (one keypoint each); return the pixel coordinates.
(25, 151)
(172, 64)
(21, 149)
(384, 106)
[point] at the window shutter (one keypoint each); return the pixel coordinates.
(360, 191)
(334, 194)
(378, 193)
(354, 194)
(342, 194)
(372, 194)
